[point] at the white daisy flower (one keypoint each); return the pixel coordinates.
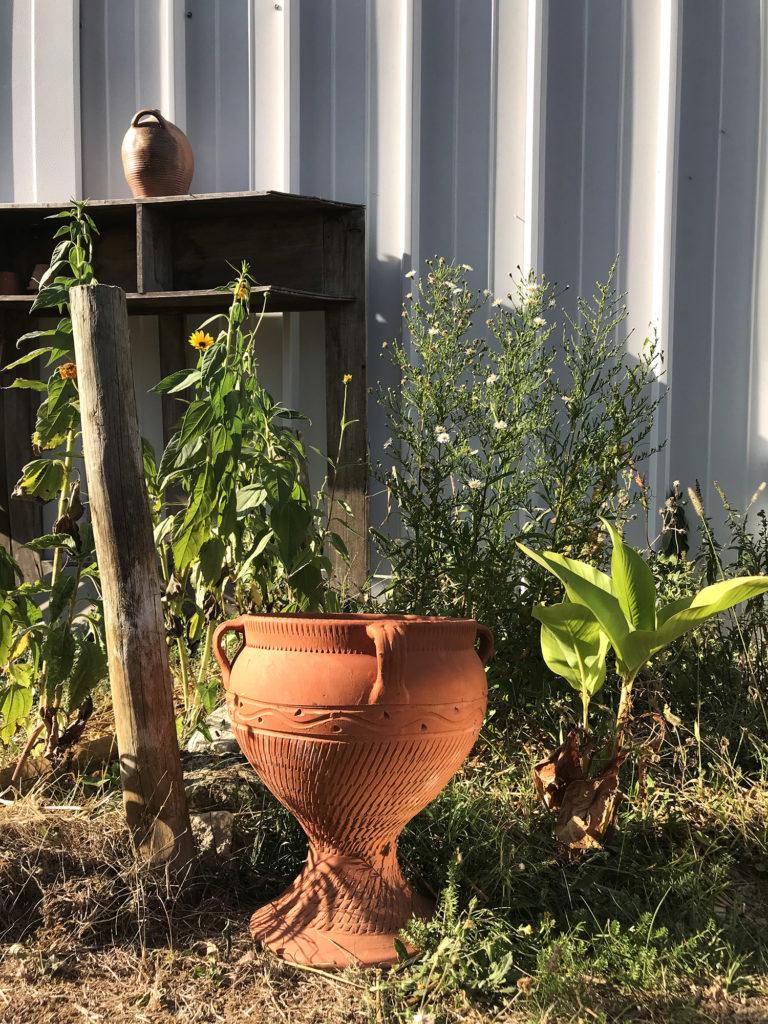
(496, 302)
(491, 378)
(500, 425)
(411, 273)
(474, 484)
(444, 438)
(539, 321)
(466, 266)
(420, 1017)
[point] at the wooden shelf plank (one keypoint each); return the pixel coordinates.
(279, 300)
(208, 202)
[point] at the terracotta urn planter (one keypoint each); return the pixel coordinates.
(157, 156)
(354, 722)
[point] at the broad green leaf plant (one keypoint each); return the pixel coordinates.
(620, 611)
(51, 636)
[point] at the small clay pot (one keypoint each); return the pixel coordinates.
(355, 722)
(10, 282)
(157, 156)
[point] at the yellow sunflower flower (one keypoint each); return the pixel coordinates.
(347, 378)
(200, 340)
(241, 291)
(68, 371)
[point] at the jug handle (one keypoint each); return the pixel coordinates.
(141, 113)
(232, 625)
(389, 640)
(486, 643)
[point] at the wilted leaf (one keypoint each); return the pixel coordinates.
(588, 812)
(559, 769)
(41, 480)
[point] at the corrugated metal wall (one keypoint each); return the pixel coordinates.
(544, 133)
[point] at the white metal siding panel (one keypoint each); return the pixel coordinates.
(563, 142)
(736, 205)
(40, 118)
(455, 144)
(8, 157)
(757, 460)
(218, 94)
(515, 142)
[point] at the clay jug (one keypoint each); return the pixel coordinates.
(355, 723)
(157, 156)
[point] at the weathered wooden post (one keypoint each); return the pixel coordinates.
(153, 791)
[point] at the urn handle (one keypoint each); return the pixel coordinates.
(232, 625)
(389, 639)
(144, 113)
(486, 643)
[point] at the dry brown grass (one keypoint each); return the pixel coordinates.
(88, 935)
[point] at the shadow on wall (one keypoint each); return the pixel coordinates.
(6, 103)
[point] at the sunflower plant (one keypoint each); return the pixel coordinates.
(233, 511)
(51, 637)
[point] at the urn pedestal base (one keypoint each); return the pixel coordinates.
(374, 715)
(338, 911)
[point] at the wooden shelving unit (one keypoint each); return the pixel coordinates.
(171, 256)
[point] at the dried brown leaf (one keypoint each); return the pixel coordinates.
(589, 808)
(559, 769)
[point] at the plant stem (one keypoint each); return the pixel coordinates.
(206, 656)
(184, 667)
(622, 715)
(58, 556)
(26, 751)
(63, 494)
(332, 497)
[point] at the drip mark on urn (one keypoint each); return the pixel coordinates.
(298, 712)
(423, 726)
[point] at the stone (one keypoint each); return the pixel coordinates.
(222, 739)
(213, 832)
